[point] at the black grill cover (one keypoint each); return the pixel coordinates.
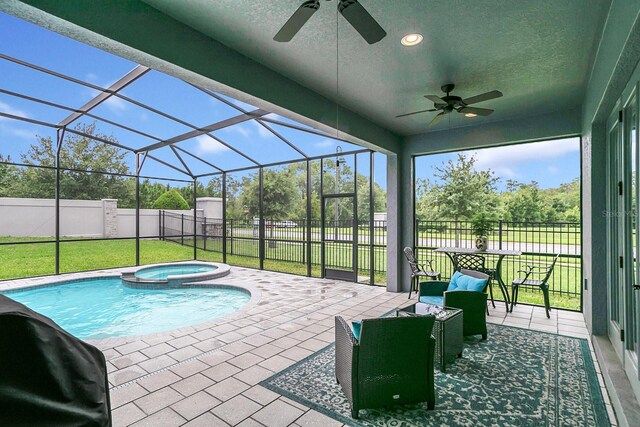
(48, 376)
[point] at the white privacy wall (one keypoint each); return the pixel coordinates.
(85, 218)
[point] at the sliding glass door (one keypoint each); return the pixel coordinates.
(622, 213)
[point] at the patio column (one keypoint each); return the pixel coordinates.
(399, 220)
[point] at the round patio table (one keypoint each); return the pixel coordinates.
(500, 253)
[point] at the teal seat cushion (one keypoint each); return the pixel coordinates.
(462, 282)
(432, 300)
(355, 326)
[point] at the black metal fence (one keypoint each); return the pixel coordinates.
(288, 241)
(539, 242)
(285, 240)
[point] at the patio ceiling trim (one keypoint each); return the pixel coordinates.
(123, 82)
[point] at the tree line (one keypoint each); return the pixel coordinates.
(460, 192)
(457, 192)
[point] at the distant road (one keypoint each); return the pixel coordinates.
(289, 234)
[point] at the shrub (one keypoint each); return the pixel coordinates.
(171, 199)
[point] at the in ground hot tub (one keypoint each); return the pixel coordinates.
(174, 275)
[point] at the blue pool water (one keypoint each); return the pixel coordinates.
(103, 308)
(161, 272)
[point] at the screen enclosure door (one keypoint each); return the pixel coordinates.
(339, 236)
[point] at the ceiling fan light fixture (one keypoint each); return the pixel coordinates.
(470, 115)
(411, 39)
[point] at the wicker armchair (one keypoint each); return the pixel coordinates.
(473, 304)
(392, 363)
(475, 262)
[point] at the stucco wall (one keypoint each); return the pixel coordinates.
(85, 218)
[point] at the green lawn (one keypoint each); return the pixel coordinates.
(28, 260)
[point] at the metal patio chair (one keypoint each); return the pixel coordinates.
(534, 283)
(419, 270)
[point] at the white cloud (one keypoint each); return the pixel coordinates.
(8, 109)
(241, 129)
(115, 104)
(21, 133)
(91, 77)
(553, 169)
(514, 155)
(208, 145)
(263, 132)
(325, 143)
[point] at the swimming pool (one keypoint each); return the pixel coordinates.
(104, 307)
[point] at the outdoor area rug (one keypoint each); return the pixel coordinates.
(517, 377)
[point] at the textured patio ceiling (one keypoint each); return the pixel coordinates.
(536, 53)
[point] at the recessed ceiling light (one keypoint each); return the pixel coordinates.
(470, 115)
(411, 39)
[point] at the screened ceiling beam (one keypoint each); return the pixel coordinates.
(107, 93)
(205, 130)
(283, 139)
(242, 110)
(144, 158)
(53, 126)
(181, 160)
(169, 165)
(221, 99)
(50, 72)
(198, 158)
(300, 128)
(64, 107)
(285, 162)
(235, 150)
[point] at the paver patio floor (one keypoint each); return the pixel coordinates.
(208, 374)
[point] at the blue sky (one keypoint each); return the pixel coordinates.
(30, 43)
(550, 163)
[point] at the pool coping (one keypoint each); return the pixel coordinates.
(174, 280)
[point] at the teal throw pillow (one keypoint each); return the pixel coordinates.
(355, 325)
(462, 282)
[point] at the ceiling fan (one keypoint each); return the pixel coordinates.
(353, 12)
(447, 104)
